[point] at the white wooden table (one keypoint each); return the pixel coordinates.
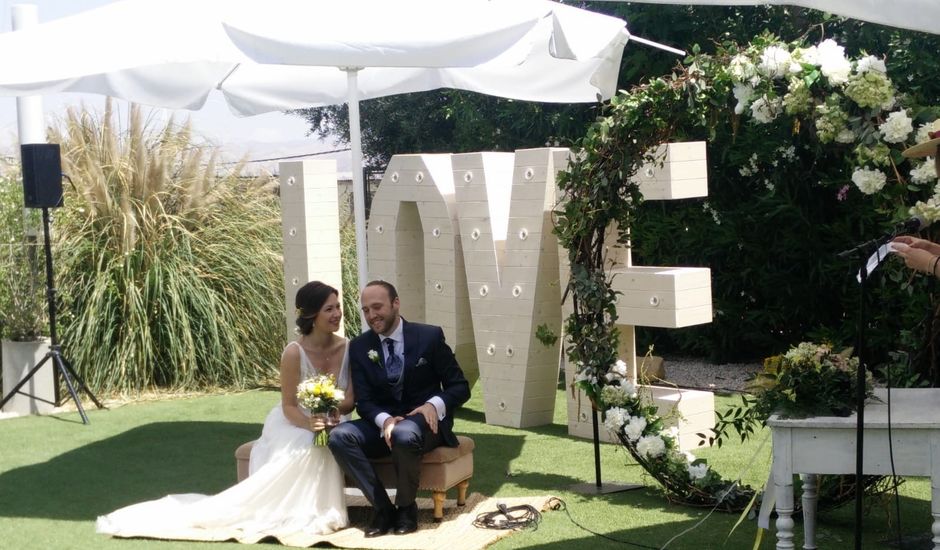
(826, 445)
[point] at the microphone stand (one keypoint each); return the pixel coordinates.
(861, 253)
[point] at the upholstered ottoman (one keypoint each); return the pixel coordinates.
(441, 469)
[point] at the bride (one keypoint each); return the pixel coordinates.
(293, 487)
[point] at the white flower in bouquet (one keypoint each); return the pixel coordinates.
(650, 446)
(924, 130)
(878, 154)
(871, 63)
(620, 368)
(774, 61)
(673, 432)
(799, 99)
(319, 395)
(744, 93)
(924, 172)
(613, 395)
(832, 62)
(765, 110)
(809, 56)
(634, 427)
(629, 387)
(697, 471)
(831, 119)
(741, 68)
(897, 127)
(928, 211)
(614, 418)
(845, 135)
(869, 181)
(871, 90)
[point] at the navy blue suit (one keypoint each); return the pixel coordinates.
(430, 369)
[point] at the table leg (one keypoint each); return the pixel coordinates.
(809, 498)
(784, 507)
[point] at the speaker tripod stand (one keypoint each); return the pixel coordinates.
(60, 364)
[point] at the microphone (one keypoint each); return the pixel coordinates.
(910, 225)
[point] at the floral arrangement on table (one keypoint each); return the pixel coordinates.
(320, 396)
(808, 380)
(799, 94)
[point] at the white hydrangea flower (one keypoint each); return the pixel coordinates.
(774, 61)
(809, 55)
(924, 129)
(673, 432)
(845, 136)
(897, 127)
(869, 181)
(628, 387)
(741, 68)
(620, 367)
(697, 471)
(614, 418)
(832, 62)
(924, 172)
(928, 211)
(744, 93)
(650, 446)
(871, 63)
(634, 427)
(765, 110)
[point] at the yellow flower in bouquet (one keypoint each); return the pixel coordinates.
(319, 395)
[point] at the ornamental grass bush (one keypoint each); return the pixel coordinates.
(169, 266)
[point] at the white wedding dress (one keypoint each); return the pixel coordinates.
(294, 489)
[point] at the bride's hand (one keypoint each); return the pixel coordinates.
(318, 422)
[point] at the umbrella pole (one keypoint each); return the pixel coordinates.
(359, 203)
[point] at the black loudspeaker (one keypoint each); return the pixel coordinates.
(42, 175)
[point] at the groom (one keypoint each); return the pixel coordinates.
(407, 385)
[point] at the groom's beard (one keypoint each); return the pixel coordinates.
(384, 325)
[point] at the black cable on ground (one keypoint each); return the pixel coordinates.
(558, 504)
(509, 517)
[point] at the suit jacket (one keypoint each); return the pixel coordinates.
(430, 369)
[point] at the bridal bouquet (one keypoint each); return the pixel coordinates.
(320, 395)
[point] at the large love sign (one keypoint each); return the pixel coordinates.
(467, 240)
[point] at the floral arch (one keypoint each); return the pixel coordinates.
(797, 98)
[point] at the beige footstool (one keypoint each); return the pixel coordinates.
(441, 469)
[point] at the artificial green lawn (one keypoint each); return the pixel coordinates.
(57, 475)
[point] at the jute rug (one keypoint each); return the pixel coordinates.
(455, 532)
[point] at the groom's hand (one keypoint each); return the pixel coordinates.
(388, 427)
(430, 415)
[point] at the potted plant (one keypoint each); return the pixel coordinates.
(23, 319)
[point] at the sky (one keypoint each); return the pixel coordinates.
(262, 136)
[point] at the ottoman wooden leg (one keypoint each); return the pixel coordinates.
(462, 492)
(438, 497)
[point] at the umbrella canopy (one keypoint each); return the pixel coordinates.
(285, 54)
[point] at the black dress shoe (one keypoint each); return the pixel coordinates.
(406, 519)
(382, 522)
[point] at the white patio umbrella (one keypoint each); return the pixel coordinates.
(287, 54)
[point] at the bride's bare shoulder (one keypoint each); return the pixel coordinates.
(291, 352)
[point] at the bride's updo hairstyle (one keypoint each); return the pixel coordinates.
(309, 301)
